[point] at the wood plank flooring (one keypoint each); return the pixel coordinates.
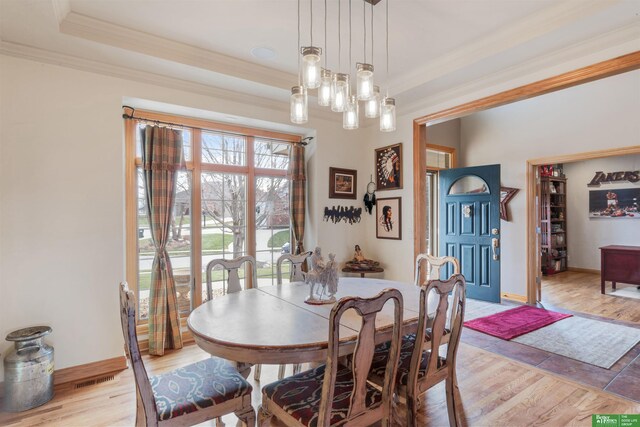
(495, 391)
(581, 292)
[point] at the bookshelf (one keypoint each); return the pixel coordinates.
(553, 224)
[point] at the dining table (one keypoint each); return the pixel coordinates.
(274, 325)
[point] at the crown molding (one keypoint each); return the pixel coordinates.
(103, 32)
(605, 46)
(69, 61)
(533, 26)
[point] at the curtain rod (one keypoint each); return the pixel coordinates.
(304, 141)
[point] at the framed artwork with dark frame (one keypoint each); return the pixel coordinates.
(389, 218)
(389, 167)
(506, 194)
(343, 183)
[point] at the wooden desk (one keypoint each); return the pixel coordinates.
(363, 272)
(619, 264)
(273, 325)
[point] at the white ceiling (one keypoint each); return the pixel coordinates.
(435, 45)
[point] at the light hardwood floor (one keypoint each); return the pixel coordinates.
(580, 292)
(495, 391)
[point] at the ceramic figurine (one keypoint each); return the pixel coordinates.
(326, 275)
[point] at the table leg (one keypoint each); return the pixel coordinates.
(613, 285)
(362, 275)
(602, 284)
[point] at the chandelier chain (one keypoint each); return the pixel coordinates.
(372, 33)
(339, 39)
(311, 26)
(364, 25)
(325, 34)
(387, 36)
(299, 67)
(349, 36)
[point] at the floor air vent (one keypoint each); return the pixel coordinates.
(95, 381)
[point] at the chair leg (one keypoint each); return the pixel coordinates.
(412, 411)
(219, 422)
(451, 390)
(281, 370)
(256, 373)
(247, 416)
(297, 368)
(264, 417)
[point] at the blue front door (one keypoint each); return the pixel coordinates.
(470, 226)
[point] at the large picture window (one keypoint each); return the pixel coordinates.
(232, 199)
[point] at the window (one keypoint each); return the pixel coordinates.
(232, 199)
(437, 158)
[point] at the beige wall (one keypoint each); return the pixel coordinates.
(585, 235)
(584, 118)
(62, 199)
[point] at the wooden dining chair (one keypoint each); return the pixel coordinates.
(232, 266)
(434, 264)
(296, 275)
(421, 366)
(334, 394)
(188, 395)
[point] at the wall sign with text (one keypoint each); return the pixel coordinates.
(614, 177)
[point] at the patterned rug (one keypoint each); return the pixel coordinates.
(515, 322)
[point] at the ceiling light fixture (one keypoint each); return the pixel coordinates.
(334, 89)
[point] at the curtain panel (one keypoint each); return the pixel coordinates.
(161, 161)
(298, 197)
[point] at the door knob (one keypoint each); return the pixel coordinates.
(495, 244)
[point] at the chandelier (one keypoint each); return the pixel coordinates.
(338, 90)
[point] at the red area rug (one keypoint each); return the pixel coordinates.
(515, 322)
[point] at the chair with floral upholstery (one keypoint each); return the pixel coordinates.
(188, 395)
(334, 394)
(418, 370)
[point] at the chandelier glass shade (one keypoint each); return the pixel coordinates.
(299, 107)
(324, 91)
(388, 115)
(339, 92)
(372, 105)
(311, 67)
(364, 78)
(350, 115)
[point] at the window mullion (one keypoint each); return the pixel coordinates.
(196, 215)
(250, 226)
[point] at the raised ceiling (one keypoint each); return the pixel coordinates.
(435, 45)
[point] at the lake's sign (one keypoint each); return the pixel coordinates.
(614, 177)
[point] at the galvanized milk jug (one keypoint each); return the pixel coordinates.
(28, 370)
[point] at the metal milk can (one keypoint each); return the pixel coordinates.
(28, 370)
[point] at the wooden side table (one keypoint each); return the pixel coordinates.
(619, 264)
(363, 272)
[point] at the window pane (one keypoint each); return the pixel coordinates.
(438, 159)
(272, 227)
(271, 154)
(224, 228)
(223, 149)
(178, 245)
(469, 184)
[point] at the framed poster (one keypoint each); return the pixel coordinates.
(389, 218)
(389, 167)
(623, 203)
(343, 183)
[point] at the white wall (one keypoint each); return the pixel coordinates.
(588, 117)
(62, 248)
(585, 235)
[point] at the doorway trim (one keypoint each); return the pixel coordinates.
(533, 258)
(600, 70)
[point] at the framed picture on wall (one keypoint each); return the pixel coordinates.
(343, 183)
(615, 204)
(506, 194)
(389, 218)
(389, 167)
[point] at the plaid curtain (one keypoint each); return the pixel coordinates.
(297, 195)
(161, 160)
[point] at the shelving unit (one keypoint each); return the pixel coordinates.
(553, 215)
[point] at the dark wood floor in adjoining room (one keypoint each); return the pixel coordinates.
(500, 384)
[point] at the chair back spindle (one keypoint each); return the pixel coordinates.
(297, 275)
(367, 308)
(434, 264)
(231, 266)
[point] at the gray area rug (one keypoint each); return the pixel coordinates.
(627, 292)
(590, 341)
(476, 309)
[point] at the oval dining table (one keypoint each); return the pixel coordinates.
(273, 324)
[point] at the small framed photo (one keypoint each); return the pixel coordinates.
(389, 218)
(343, 183)
(389, 167)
